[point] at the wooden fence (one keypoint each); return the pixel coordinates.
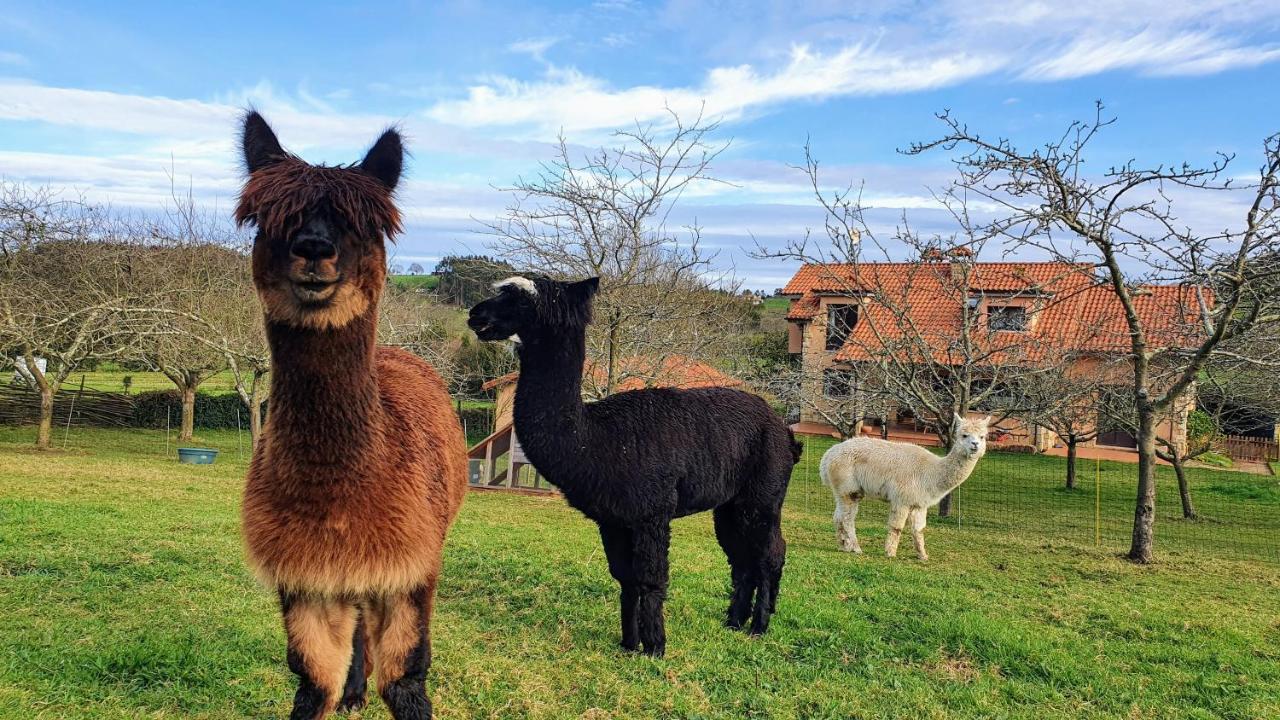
(1251, 448)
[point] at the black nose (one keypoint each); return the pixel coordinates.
(311, 247)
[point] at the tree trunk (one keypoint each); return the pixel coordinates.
(255, 424)
(1071, 463)
(1184, 489)
(944, 507)
(188, 413)
(255, 410)
(44, 432)
(1144, 512)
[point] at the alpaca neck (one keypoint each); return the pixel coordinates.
(953, 469)
(324, 390)
(549, 415)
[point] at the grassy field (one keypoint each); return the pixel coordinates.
(123, 595)
(777, 304)
(110, 378)
(423, 282)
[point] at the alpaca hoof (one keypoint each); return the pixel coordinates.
(656, 651)
(924, 558)
(758, 629)
(630, 647)
(351, 703)
(734, 623)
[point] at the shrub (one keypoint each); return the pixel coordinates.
(212, 411)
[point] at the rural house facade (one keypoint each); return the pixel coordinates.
(843, 317)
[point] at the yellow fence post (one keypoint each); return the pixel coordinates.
(1097, 502)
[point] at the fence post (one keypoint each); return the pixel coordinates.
(1097, 502)
(67, 432)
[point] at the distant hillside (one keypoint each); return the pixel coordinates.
(418, 282)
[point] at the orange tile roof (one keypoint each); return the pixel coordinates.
(1073, 310)
(840, 278)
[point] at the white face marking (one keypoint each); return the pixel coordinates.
(516, 281)
(514, 338)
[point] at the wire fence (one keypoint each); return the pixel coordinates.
(1237, 514)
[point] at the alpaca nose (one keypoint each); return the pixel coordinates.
(313, 247)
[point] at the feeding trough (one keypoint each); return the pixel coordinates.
(197, 456)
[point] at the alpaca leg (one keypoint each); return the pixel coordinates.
(846, 517)
(729, 534)
(897, 519)
(617, 548)
(917, 531)
(649, 561)
(778, 558)
(771, 555)
(401, 642)
(353, 693)
(320, 632)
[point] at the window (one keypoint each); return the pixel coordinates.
(840, 321)
(1005, 317)
(837, 383)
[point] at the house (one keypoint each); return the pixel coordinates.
(498, 461)
(844, 316)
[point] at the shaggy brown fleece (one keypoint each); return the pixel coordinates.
(361, 466)
(278, 197)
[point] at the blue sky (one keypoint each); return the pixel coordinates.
(111, 99)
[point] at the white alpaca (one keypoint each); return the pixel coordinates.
(909, 477)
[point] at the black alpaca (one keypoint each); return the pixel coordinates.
(634, 461)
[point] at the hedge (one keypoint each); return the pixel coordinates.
(216, 412)
(477, 423)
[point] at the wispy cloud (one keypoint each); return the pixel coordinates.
(13, 58)
(535, 48)
(1152, 52)
(566, 98)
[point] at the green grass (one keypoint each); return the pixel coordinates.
(123, 595)
(110, 378)
(423, 282)
(1215, 459)
(777, 304)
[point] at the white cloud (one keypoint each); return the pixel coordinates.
(1151, 51)
(568, 99)
(533, 47)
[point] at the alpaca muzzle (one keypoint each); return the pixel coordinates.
(311, 289)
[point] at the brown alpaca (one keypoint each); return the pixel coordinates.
(362, 465)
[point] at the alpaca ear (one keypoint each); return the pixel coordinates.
(259, 144)
(986, 421)
(956, 420)
(586, 288)
(385, 160)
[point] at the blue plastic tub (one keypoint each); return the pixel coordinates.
(197, 456)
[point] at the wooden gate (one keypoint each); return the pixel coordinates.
(1251, 448)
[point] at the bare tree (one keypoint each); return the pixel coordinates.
(67, 290)
(192, 267)
(1123, 222)
(606, 215)
(417, 323)
(1067, 403)
(925, 337)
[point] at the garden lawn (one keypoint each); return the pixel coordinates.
(123, 595)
